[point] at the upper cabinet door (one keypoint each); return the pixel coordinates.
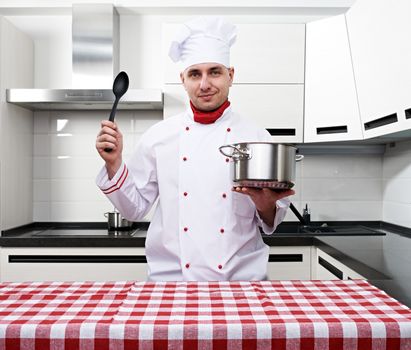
(263, 53)
(331, 106)
(380, 38)
(277, 108)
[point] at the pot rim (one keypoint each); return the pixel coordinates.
(268, 143)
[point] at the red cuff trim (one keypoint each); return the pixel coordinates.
(119, 182)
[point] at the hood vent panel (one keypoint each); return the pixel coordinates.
(84, 99)
(95, 38)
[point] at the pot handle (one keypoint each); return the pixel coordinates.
(242, 152)
(299, 157)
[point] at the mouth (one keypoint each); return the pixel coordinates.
(206, 97)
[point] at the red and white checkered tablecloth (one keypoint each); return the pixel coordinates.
(205, 315)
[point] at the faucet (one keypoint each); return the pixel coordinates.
(306, 215)
(305, 219)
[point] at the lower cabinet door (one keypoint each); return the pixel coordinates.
(325, 267)
(72, 264)
(327, 272)
(289, 263)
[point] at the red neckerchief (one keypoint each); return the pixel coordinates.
(208, 117)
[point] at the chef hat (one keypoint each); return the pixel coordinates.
(203, 39)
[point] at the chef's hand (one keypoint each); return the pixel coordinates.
(265, 201)
(110, 137)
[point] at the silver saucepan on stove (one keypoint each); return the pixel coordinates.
(263, 164)
(116, 222)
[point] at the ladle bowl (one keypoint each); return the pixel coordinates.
(120, 87)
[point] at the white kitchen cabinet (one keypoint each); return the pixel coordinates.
(325, 267)
(16, 128)
(289, 263)
(278, 108)
(331, 108)
(72, 264)
(379, 34)
(263, 53)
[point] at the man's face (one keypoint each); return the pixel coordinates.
(207, 84)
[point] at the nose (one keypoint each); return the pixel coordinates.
(204, 84)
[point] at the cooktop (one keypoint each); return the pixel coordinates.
(85, 232)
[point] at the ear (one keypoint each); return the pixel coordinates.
(182, 79)
(231, 75)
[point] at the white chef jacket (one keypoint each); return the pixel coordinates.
(201, 230)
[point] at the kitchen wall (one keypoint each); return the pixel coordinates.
(339, 186)
(336, 187)
(65, 162)
(141, 50)
(397, 184)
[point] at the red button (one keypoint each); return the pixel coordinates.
(185, 229)
(184, 158)
(185, 193)
(187, 128)
(221, 230)
(224, 195)
(228, 129)
(227, 160)
(220, 267)
(187, 265)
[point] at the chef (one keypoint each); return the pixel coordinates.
(202, 228)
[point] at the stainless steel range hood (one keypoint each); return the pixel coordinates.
(84, 99)
(95, 59)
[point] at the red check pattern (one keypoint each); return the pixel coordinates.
(202, 315)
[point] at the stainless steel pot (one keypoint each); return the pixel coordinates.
(116, 222)
(262, 164)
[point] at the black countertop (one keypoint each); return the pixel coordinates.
(383, 257)
(81, 234)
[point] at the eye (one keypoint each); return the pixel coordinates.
(215, 72)
(194, 74)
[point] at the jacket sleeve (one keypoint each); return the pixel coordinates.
(134, 188)
(281, 210)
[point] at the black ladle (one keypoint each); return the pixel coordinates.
(120, 87)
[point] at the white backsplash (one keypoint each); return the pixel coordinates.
(339, 187)
(397, 184)
(65, 164)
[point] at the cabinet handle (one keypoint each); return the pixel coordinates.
(77, 259)
(332, 130)
(376, 123)
(281, 132)
(408, 113)
(285, 257)
(336, 272)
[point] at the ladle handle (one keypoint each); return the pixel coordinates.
(112, 115)
(114, 110)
